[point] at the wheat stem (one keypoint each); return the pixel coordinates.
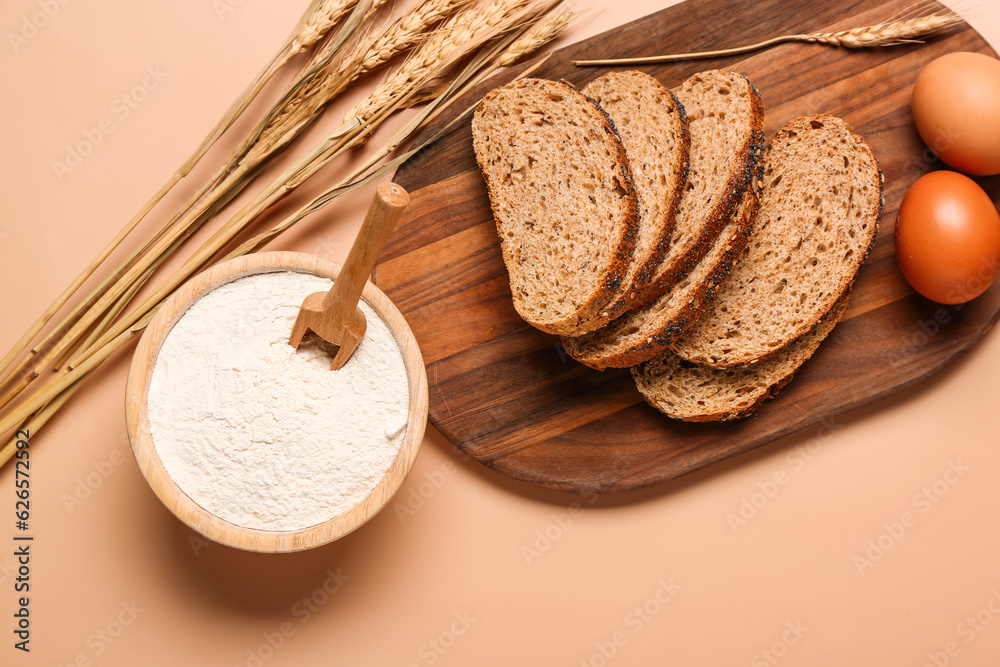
(887, 33)
(56, 387)
(474, 73)
(333, 146)
(25, 341)
(195, 213)
(102, 329)
(113, 313)
(235, 110)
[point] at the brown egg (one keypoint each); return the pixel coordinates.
(956, 107)
(948, 237)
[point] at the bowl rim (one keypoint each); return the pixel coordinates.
(183, 506)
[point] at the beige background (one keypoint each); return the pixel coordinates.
(483, 570)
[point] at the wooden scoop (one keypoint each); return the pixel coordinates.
(334, 315)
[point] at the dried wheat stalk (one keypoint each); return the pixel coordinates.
(97, 337)
(334, 145)
(328, 82)
(362, 175)
(195, 212)
(915, 24)
(476, 71)
(8, 372)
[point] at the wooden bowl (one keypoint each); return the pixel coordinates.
(193, 514)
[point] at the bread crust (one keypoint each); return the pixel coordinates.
(593, 313)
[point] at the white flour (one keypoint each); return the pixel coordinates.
(265, 436)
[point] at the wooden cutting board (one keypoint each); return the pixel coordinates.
(507, 394)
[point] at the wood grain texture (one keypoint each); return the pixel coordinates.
(509, 396)
(186, 509)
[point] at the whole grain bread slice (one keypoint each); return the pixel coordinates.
(654, 130)
(726, 125)
(643, 333)
(726, 120)
(563, 200)
(692, 392)
(820, 207)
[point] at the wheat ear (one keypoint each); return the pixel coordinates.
(236, 109)
(305, 167)
(537, 36)
(442, 47)
(310, 29)
(325, 15)
(106, 303)
(888, 33)
(406, 31)
(366, 55)
(230, 180)
(533, 39)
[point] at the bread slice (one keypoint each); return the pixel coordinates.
(563, 199)
(654, 130)
(820, 207)
(726, 123)
(643, 333)
(726, 119)
(690, 392)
